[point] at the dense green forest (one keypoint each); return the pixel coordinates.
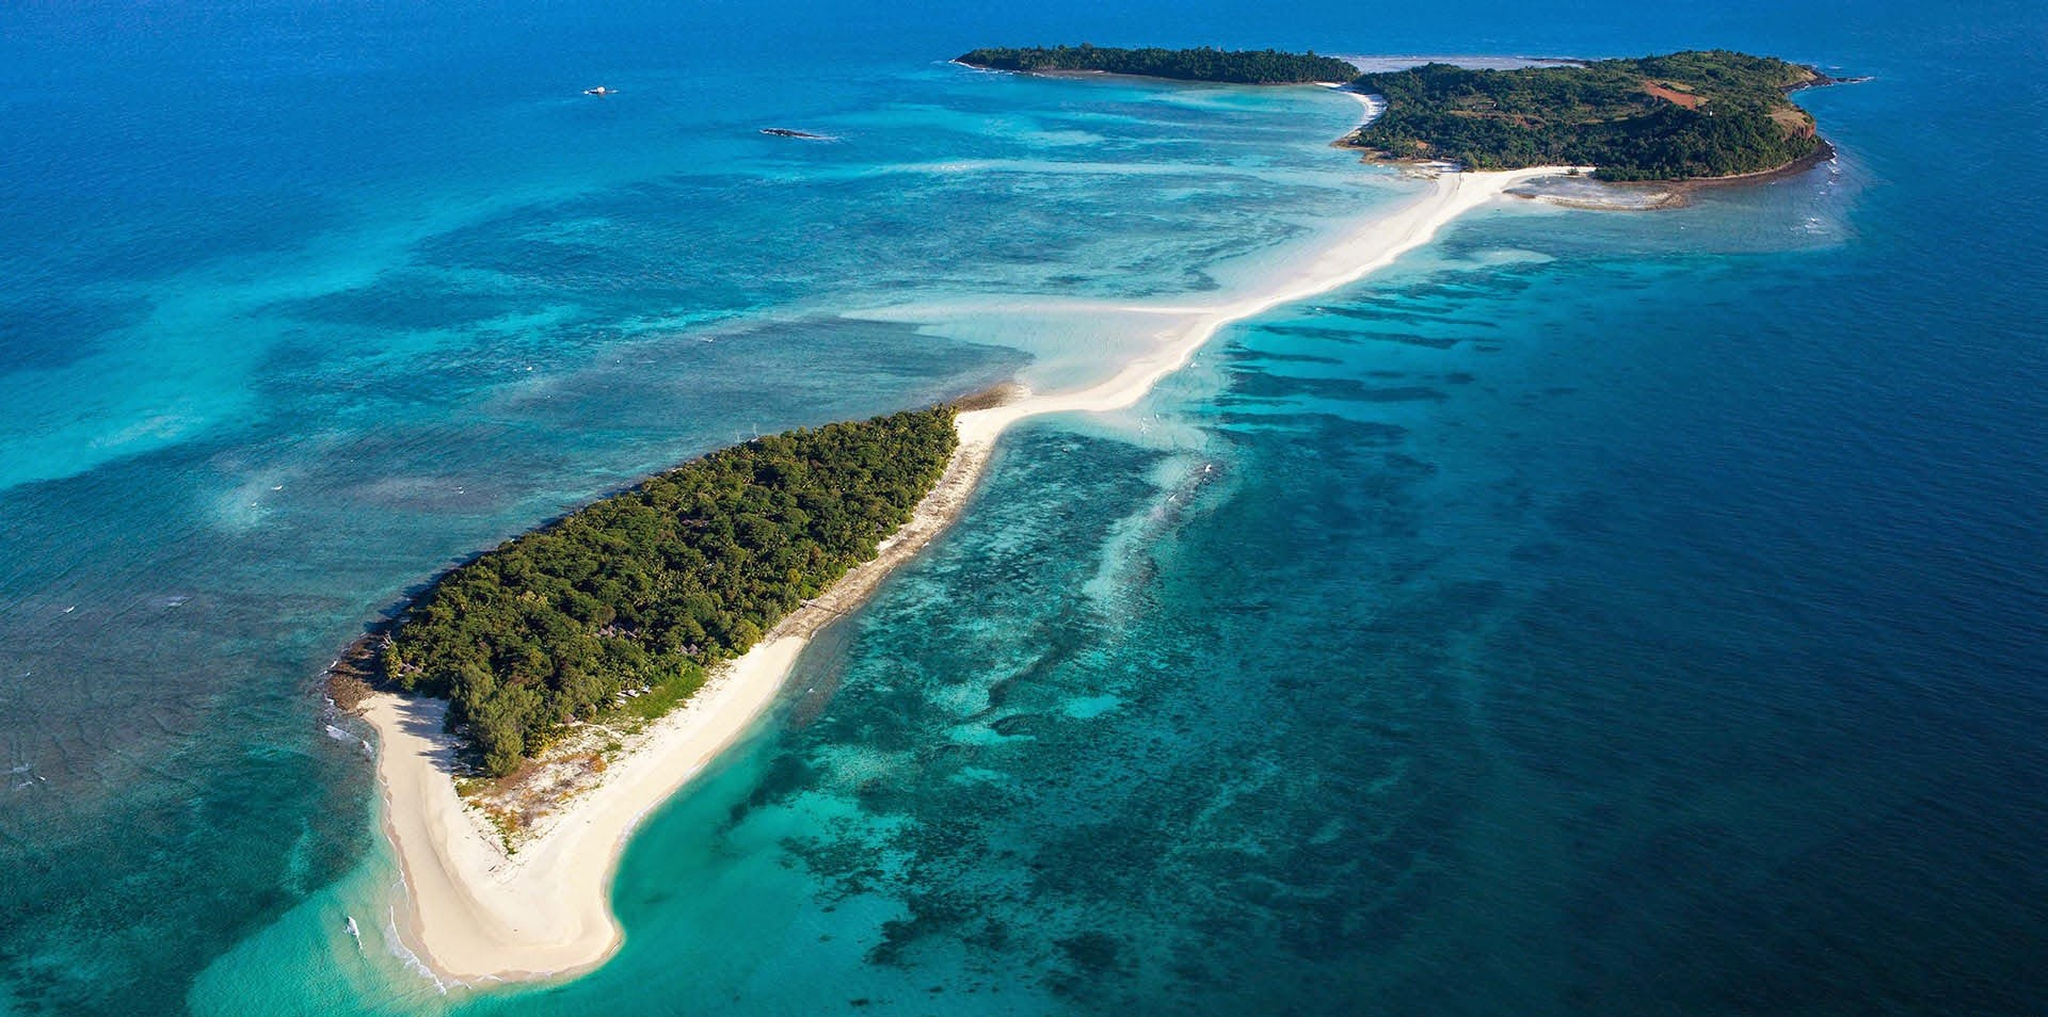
(648, 588)
(1244, 67)
(1695, 114)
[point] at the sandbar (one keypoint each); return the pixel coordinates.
(474, 913)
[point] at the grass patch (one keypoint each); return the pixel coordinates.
(667, 693)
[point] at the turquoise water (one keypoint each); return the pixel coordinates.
(1593, 613)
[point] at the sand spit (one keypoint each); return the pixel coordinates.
(475, 914)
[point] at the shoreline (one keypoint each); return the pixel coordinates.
(1821, 153)
(1660, 195)
(1374, 103)
(1824, 152)
(472, 913)
(1083, 74)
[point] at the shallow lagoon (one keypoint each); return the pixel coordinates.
(1595, 613)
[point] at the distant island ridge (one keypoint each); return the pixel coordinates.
(1693, 115)
(1238, 67)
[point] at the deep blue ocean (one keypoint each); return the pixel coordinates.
(1594, 613)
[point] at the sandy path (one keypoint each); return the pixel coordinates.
(473, 913)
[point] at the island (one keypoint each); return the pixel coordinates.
(1694, 115)
(1240, 67)
(622, 607)
(534, 704)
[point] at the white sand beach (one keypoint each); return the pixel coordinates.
(472, 913)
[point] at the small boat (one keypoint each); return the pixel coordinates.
(600, 90)
(784, 132)
(353, 930)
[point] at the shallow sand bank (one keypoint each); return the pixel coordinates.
(1371, 248)
(472, 913)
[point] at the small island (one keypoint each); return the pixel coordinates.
(1691, 115)
(625, 605)
(1240, 67)
(569, 681)
(1699, 114)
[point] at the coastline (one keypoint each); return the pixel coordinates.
(1823, 152)
(1659, 195)
(474, 913)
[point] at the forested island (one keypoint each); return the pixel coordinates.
(1242, 67)
(1711, 113)
(643, 591)
(1696, 114)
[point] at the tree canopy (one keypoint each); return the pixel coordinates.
(1246, 67)
(650, 587)
(1693, 114)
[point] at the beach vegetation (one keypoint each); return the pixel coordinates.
(629, 602)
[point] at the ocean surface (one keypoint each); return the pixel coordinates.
(1594, 613)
